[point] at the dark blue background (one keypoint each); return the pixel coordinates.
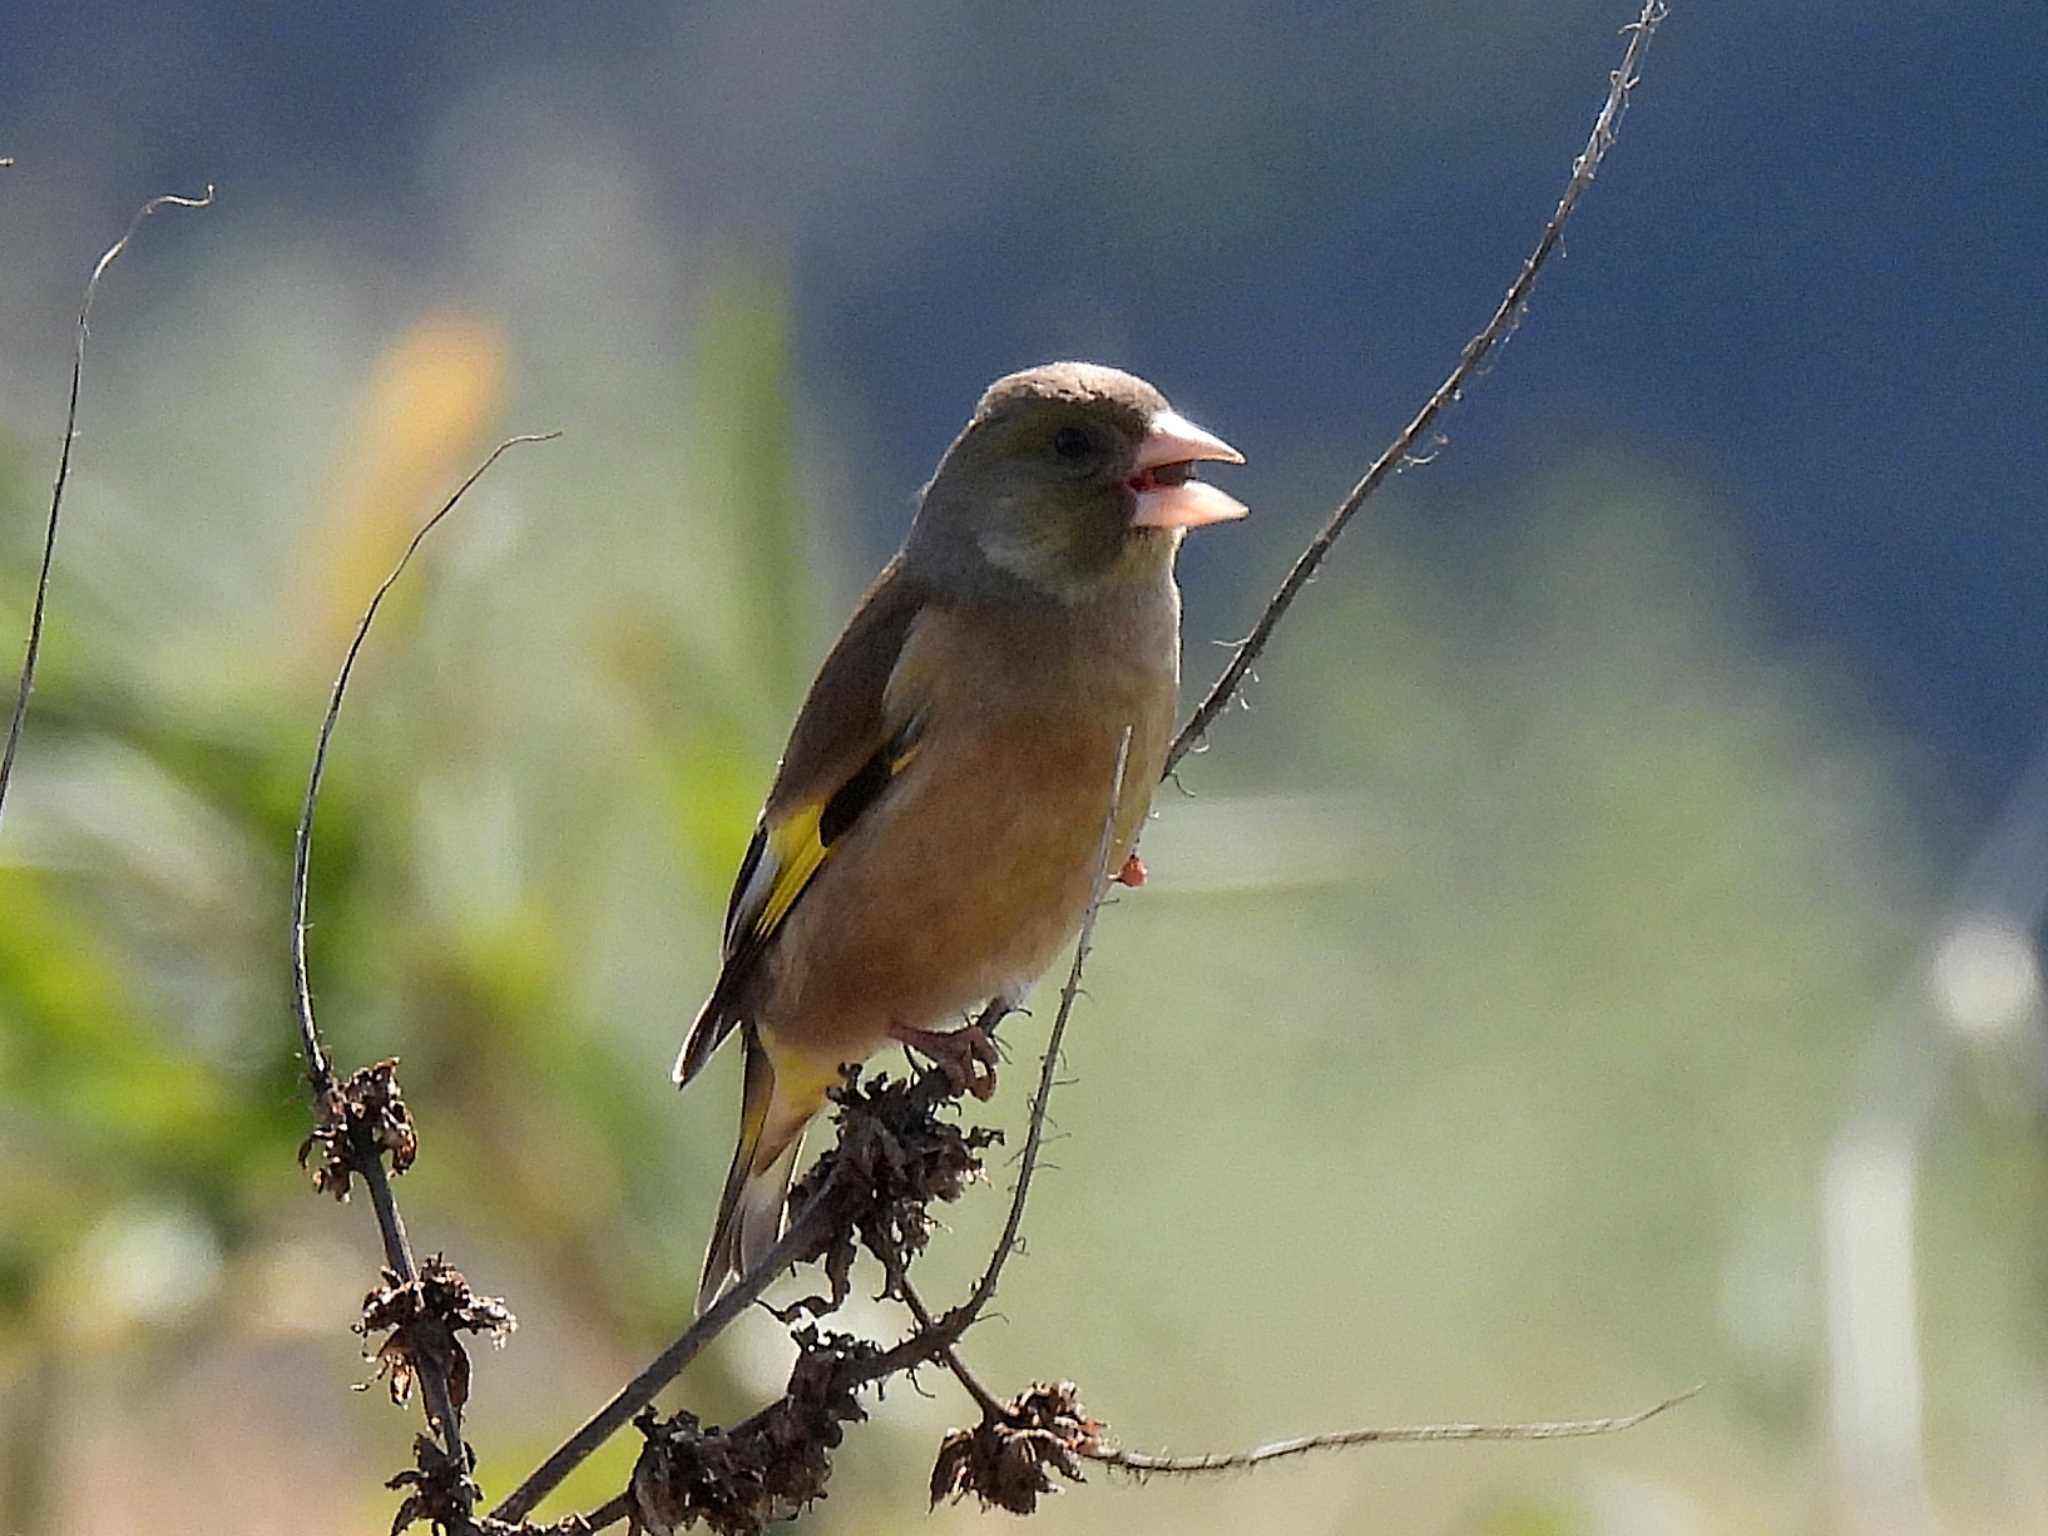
(1808, 276)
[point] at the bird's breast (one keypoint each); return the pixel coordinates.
(970, 874)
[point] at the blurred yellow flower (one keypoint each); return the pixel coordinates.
(422, 419)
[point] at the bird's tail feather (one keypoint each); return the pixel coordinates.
(714, 1022)
(757, 1187)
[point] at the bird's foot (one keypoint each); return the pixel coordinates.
(1133, 872)
(966, 1055)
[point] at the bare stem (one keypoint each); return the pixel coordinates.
(365, 1157)
(1400, 452)
(317, 1067)
(1412, 1434)
(801, 1237)
(36, 613)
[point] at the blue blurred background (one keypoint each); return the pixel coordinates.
(1603, 959)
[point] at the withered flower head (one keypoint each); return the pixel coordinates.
(739, 1481)
(894, 1157)
(366, 1110)
(1007, 1463)
(423, 1317)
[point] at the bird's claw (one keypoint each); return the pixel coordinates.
(966, 1055)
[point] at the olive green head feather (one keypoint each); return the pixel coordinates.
(1070, 480)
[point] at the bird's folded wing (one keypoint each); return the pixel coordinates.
(850, 741)
(788, 850)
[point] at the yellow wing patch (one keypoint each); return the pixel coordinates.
(794, 852)
(789, 851)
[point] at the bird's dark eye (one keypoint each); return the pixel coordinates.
(1072, 443)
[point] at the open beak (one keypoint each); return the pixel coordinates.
(1168, 494)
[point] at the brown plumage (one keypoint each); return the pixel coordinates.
(931, 837)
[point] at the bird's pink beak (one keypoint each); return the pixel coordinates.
(1168, 494)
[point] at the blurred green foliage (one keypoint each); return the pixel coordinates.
(1472, 1053)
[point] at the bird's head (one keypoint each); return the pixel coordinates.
(1072, 479)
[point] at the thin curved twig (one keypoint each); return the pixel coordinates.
(1112, 1455)
(36, 613)
(365, 1157)
(1401, 451)
(317, 1067)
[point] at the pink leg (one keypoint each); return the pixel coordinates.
(966, 1055)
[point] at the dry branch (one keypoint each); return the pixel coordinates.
(37, 611)
(1110, 1454)
(302, 842)
(356, 1140)
(803, 1234)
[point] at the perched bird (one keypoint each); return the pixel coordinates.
(934, 833)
